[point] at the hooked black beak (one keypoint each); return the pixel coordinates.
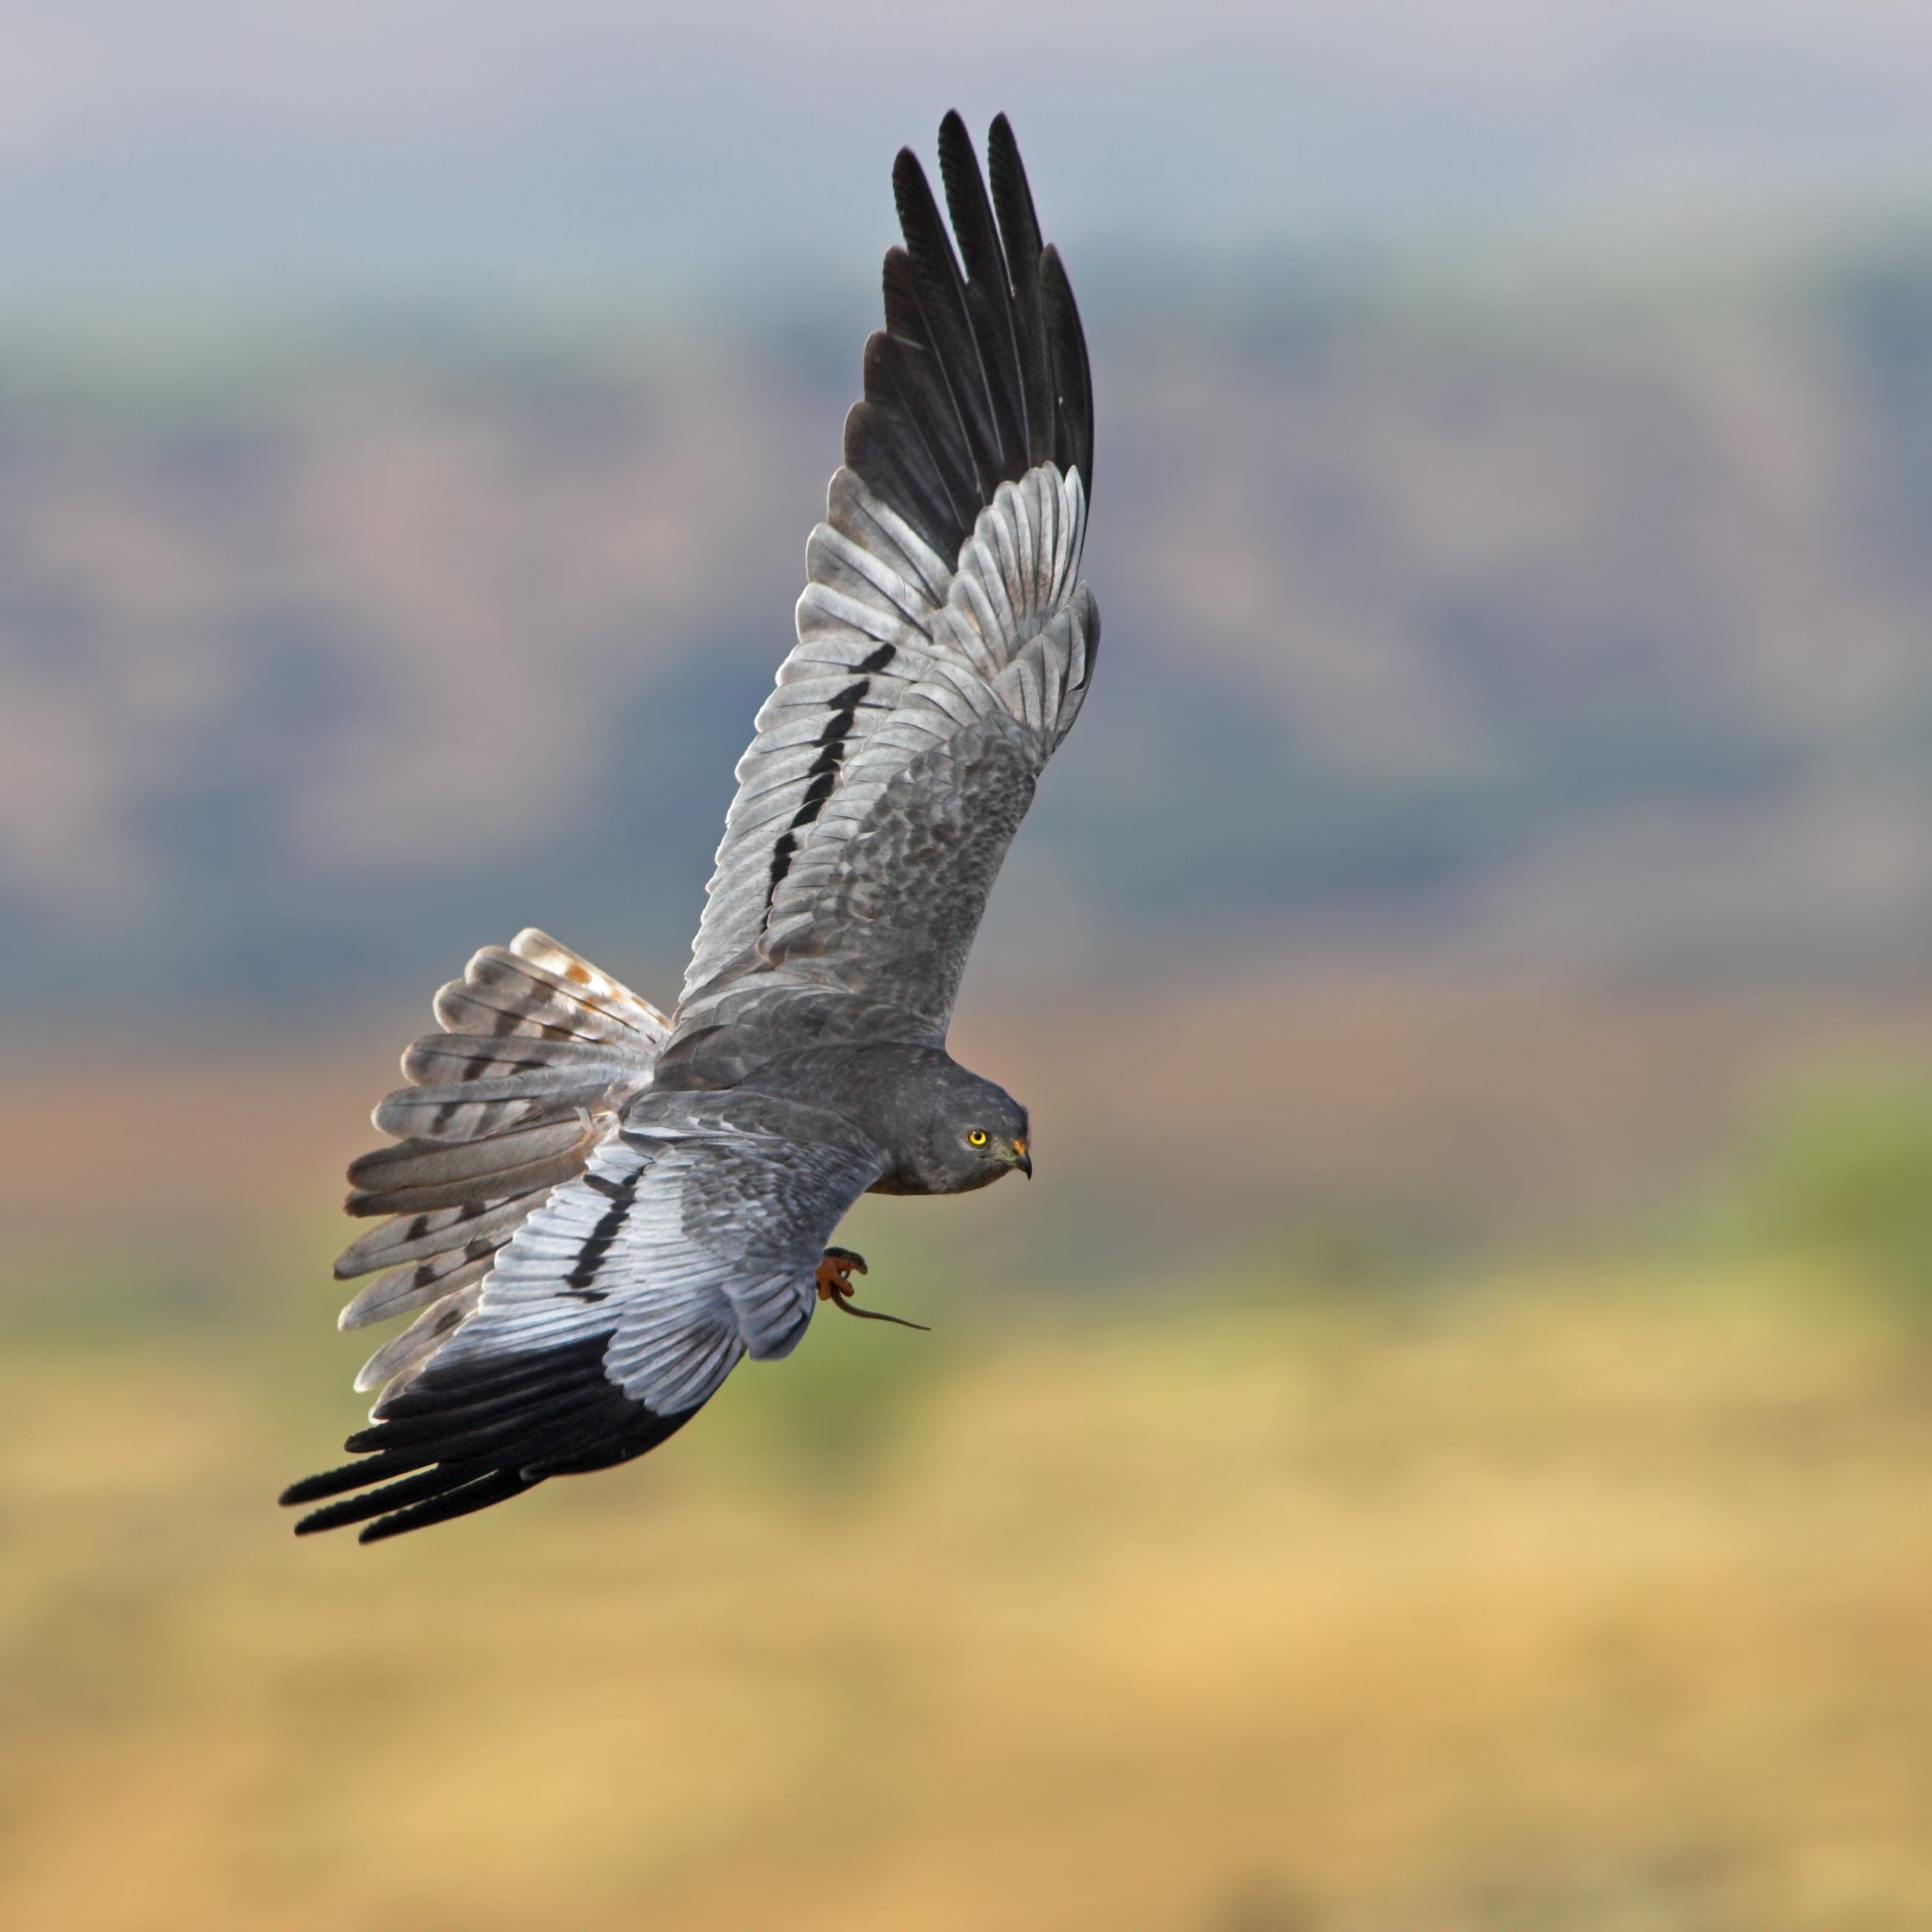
(1022, 1160)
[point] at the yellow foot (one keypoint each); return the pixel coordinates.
(834, 1286)
(836, 1272)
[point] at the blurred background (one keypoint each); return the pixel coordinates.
(1445, 1441)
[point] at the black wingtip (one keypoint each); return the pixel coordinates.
(331, 1515)
(324, 1483)
(909, 181)
(955, 144)
(464, 1436)
(462, 1496)
(1073, 378)
(989, 378)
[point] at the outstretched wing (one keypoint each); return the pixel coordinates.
(945, 639)
(614, 1313)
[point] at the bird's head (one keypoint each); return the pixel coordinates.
(965, 1133)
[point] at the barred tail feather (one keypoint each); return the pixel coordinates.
(424, 1336)
(421, 1237)
(403, 1289)
(529, 1031)
(539, 1052)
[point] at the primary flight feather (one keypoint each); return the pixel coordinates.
(596, 1211)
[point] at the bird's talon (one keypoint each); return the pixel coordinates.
(835, 1273)
(834, 1286)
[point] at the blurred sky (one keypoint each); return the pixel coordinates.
(411, 146)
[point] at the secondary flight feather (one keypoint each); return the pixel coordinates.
(595, 1211)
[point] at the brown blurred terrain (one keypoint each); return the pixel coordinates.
(1577, 1600)
(1444, 1111)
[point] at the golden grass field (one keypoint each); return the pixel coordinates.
(1570, 1599)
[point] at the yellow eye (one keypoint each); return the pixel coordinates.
(977, 1137)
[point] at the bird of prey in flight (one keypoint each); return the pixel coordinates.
(593, 1210)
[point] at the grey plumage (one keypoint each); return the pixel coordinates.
(597, 1211)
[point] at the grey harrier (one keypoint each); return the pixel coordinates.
(598, 1211)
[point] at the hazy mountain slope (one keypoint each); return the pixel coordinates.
(1591, 629)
